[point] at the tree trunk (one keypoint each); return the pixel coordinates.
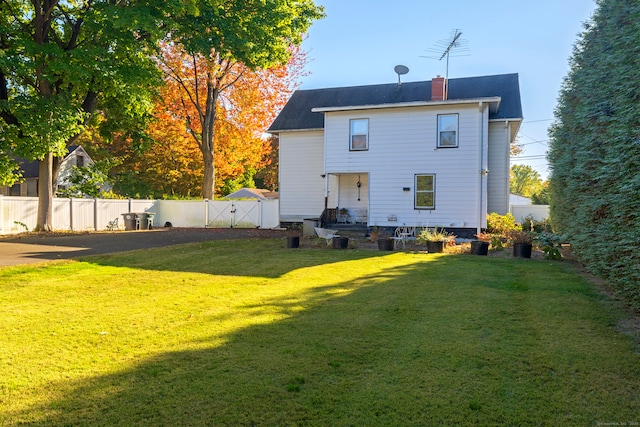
(208, 182)
(208, 139)
(45, 194)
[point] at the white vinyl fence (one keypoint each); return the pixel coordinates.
(538, 212)
(19, 214)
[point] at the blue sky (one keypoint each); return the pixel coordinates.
(361, 41)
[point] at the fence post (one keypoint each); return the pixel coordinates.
(1, 214)
(71, 213)
(95, 214)
(206, 213)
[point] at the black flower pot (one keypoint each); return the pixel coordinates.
(479, 248)
(293, 241)
(385, 244)
(435, 247)
(522, 250)
(340, 242)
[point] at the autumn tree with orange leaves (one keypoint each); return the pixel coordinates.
(243, 103)
(205, 66)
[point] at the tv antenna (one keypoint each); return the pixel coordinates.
(444, 48)
(400, 70)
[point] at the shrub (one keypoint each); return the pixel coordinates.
(434, 235)
(534, 225)
(501, 224)
(519, 236)
(550, 244)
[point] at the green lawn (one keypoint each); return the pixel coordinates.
(245, 333)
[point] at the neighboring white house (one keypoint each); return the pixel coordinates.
(431, 153)
(77, 156)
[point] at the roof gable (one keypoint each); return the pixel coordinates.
(31, 168)
(297, 114)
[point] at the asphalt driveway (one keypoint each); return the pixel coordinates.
(39, 247)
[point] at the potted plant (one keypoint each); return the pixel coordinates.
(522, 242)
(293, 235)
(481, 246)
(434, 239)
(385, 242)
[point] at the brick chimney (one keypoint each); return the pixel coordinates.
(438, 89)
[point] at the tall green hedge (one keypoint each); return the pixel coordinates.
(595, 148)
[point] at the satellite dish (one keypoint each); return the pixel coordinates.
(400, 70)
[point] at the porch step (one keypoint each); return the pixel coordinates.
(357, 231)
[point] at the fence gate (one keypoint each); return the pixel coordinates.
(220, 214)
(246, 214)
(234, 214)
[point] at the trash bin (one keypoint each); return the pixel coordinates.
(150, 216)
(144, 220)
(129, 221)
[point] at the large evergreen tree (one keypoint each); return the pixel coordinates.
(595, 147)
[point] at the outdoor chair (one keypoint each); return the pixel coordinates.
(112, 225)
(404, 234)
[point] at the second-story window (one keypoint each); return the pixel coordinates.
(447, 130)
(359, 134)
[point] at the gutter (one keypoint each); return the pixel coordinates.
(490, 100)
(277, 131)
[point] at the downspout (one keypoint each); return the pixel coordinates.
(326, 189)
(481, 170)
(325, 175)
(508, 165)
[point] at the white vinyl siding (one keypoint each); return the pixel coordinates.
(78, 158)
(301, 187)
(498, 178)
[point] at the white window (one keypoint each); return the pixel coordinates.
(447, 130)
(425, 191)
(359, 134)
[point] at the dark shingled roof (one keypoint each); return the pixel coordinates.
(297, 113)
(31, 168)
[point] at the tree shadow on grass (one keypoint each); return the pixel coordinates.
(247, 257)
(389, 348)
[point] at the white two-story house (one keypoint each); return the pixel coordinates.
(430, 153)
